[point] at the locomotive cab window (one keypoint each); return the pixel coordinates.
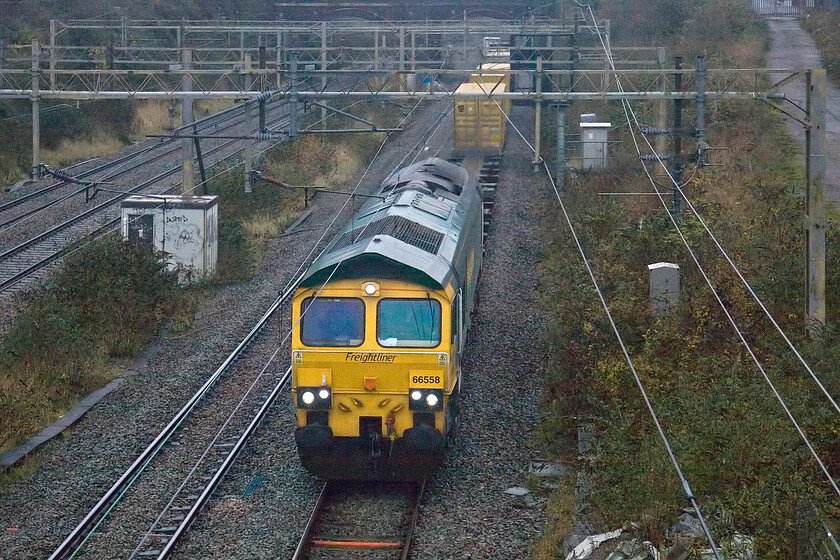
(332, 321)
(408, 323)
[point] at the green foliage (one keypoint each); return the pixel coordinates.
(107, 301)
(822, 24)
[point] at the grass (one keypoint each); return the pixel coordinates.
(73, 151)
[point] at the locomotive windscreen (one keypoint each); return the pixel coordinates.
(332, 322)
(408, 323)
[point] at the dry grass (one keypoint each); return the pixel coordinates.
(155, 117)
(151, 117)
(560, 509)
(70, 151)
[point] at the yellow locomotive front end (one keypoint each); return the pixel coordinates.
(374, 369)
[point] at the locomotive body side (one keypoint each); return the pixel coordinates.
(381, 323)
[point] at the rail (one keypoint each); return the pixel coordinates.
(88, 525)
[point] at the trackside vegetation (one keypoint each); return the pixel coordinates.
(748, 467)
(104, 305)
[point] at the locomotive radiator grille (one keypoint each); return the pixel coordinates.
(397, 227)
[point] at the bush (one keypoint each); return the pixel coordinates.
(107, 301)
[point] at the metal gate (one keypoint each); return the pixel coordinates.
(781, 8)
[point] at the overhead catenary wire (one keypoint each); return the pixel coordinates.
(683, 481)
(629, 111)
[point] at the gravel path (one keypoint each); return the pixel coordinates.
(792, 48)
(263, 505)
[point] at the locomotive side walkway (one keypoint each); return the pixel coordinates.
(792, 47)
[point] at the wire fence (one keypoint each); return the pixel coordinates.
(781, 8)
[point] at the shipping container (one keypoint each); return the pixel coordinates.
(480, 122)
(491, 74)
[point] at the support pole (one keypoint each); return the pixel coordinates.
(262, 86)
(465, 36)
(561, 149)
(662, 105)
(279, 59)
(815, 141)
(52, 54)
(200, 159)
(676, 163)
(402, 59)
(36, 110)
(293, 96)
(324, 66)
(412, 84)
(537, 114)
(376, 49)
(700, 133)
(249, 145)
(187, 155)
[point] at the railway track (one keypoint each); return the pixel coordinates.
(373, 517)
(27, 259)
(13, 211)
(201, 446)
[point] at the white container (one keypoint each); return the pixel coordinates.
(183, 227)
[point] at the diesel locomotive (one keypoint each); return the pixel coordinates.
(380, 322)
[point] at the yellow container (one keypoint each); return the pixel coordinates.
(480, 122)
(491, 74)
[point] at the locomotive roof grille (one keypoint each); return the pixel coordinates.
(397, 227)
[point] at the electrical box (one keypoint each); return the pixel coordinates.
(183, 227)
(594, 138)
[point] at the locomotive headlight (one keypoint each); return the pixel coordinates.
(314, 398)
(370, 289)
(426, 399)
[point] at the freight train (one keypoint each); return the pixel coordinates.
(380, 323)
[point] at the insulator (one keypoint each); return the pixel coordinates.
(648, 130)
(654, 157)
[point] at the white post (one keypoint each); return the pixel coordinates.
(664, 287)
